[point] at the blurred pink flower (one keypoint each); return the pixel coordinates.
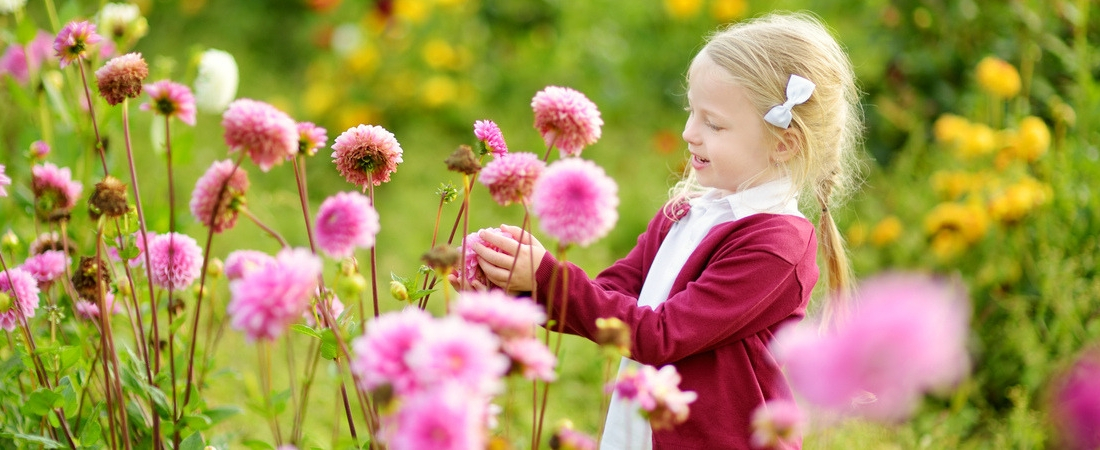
(120, 78)
(454, 350)
(776, 422)
(14, 64)
(40, 150)
(18, 293)
(335, 306)
(4, 181)
(575, 201)
(46, 266)
(570, 439)
(566, 119)
(511, 177)
(907, 337)
(266, 301)
(507, 316)
(50, 240)
(366, 153)
(311, 138)
(346, 221)
(471, 270)
(1075, 404)
(381, 352)
(139, 258)
(55, 192)
(171, 99)
(267, 134)
(243, 262)
(204, 205)
(531, 358)
(657, 393)
(176, 260)
(445, 418)
(73, 41)
(87, 309)
(488, 132)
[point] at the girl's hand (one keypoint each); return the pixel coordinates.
(498, 265)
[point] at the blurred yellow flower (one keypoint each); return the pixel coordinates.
(955, 226)
(318, 98)
(978, 140)
(353, 115)
(997, 77)
(363, 60)
(856, 234)
(411, 10)
(438, 91)
(886, 231)
(1033, 139)
(950, 128)
(438, 54)
(952, 184)
(729, 10)
(1017, 200)
(683, 9)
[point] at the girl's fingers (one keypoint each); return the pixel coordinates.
(516, 232)
(493, 257)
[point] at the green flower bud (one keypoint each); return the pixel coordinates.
(10, 242)
(399, 291)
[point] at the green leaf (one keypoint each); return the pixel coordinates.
(40, 402)
(193, 442)
(420, 293)
(70, 355)
(255, 444)
(328, 344)
(91, 433)
(221, 413)
(45, 442)
(68, 393)
(299, 328)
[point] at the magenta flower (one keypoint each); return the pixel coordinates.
(454, 350)
(575, 201)
(4, 181)
(14, 64)
(471, 270)
(907, 337)
(120, 78)
(204, 199)
(346, 221)
(380, 353)
(443, 419)
(40, 150)
(89, 310)
(73, 41)
(171, 99)
(1075, 404)
(657, 393)
(489, 133)
(775, 423)
(266, 301)
(18, 293)
(531, 358)
(46, 266)
(566, 119)
(311, 138)
(55, 192)
(509, 317)
(176, 260)
(267, 134)
(511, 177)
(366, 154)
(243, 262)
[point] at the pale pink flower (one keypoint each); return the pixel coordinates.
(311, 138)
(366, 154)
(380, 353)
(776, 422)
(471, 270)
(511, 177)
(4, 181)
(14, 64)
(531, 359)
(657, 393)
(454, 350)
(575, 201)
(46, 266)
(346, 221)
(267, 134)
(120, 78)
(73, 41)
(55, 192)
(566, 119)
(1075, 404)
(570, 439)
(39, 150)
(907, 337)
(204, 199)
(243, 262)
(507, 316)
(18, 293)
(89, 310)
(171, 99)
(489, 133)
(336, 307)
(445, 418)
(176, 260)
(40, 49)
(266, 301)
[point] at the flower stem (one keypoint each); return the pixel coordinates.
(561, 330)
(110, 355)
(270, 231)
(91, 111)
(373, 267)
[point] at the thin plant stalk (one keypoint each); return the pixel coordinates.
(265, 387)
(91, 111)
(110, 355)
(313, 357)
(270, 231)
(373, 263)
(561, 329)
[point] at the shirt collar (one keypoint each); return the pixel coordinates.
(775, 197)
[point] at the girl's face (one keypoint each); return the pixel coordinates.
(725, 134)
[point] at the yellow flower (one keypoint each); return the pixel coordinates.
(438, 54)
(856, 234)
(1016, 201)
(979, 140)
(955, 226)
(729, 10)
(886, 231)
(363, 60)
(411, 10)
(997, 77)
(1033, 139)
(438, 91)
(952, 184)
(950, 128)
(683, 9)
(319, 97)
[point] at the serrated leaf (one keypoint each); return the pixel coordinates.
(40, 402)
(70, 355)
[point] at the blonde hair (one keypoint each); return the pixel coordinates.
(760, 55)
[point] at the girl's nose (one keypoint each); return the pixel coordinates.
(689, 134)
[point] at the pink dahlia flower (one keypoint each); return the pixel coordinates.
(489, 133)
(566, 119)
(346, 221)
(1075, 404)
(204, 199)
(443, 419)
(575, 201)
(507, 316)
(531, 358)
(381, 352)
(120, 78)
(907, 337)
(266, 301)
(87, 309)
(366, 154)
(454, 350)
(73, 41)
(241, 263)
(176, 260)
(267, 134)
(657, 393)
(14, 64)
(171, 99)
(312, 314)
(775, 423)
(311, 138)
(46, 266)
(511, 177)
(4, 181)
(471, 270)
(55, 192)
(18, 293)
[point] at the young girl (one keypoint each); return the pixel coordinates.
(773, 113)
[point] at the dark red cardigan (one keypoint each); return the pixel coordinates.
(744, 280)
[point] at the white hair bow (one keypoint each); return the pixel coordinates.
(798, 91)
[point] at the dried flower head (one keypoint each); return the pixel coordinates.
(266, 133)
(613, 334)
(490, 135)
(121, 78)
(91, 278)
(442, 258)
(74, 40)
(220, 214)
(575, 201)
(463, 160)
(18, 294)
(511, 177)
(366, 154)
(171, 99)
(311, 138)
(566, 119)
(108, 198)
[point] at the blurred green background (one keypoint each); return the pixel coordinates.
(1015, 219)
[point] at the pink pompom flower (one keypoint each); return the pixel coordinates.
(18, 293)
(575, 201)
(55, 192)
(87, 309)
(74, 40)
(171, 99)
(346, 221)
(120, 78)
(657, 394)
(507, 316)
(445, 418)
(489, 133)
(204, 199)
(511, 177)
(1075, 403)
(311, 138)
(453, 350)
(531, 359)
(267, 134)
(566, 119)
(45, 267)
(266, 301)
(176, 260)
(243, 262)
(776, 422)
(366, 154)
(4, 181)
(381, 352)
(471, 269)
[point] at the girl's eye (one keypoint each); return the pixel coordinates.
(712, 126)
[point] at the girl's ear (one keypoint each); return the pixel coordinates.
(788, 145)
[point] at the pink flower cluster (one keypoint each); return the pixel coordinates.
(87, 309)
(1075, 404)
(513, 320)
(243, 262)
(575, 201)
(657, 393)
(566, 119)
(19, 62)
(46, 266)
(176, 260)
(48, 180)
(489, 133)
(172, 100)
(907, 337)
(511, 177)
(220, 215)
(18, 293)
(268, 298)
(366, 154)
(775, 423)
(346, 221)
(267, 134)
